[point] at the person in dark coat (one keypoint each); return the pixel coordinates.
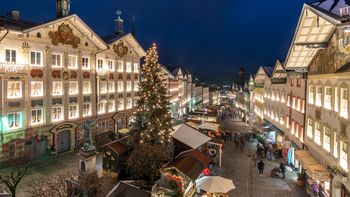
(283, 169)
(261, 166)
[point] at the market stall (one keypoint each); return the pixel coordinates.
(214, 186)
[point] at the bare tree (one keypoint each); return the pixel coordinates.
(11, 177)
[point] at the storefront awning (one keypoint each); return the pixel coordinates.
(301, 153)
(318, 172)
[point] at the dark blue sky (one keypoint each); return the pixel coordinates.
(212, 38)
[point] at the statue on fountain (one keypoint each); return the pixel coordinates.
(87, 136)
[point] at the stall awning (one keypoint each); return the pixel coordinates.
(312, 166)
(189, 136)
(301, 153)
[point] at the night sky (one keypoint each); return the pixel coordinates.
(212, 38)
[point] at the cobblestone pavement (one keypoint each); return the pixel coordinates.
(236, 165)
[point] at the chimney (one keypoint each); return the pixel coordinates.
(133, 29)
(119, 23)
(14, 15)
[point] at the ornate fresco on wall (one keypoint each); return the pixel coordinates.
(36, 73)
(73, 74)
(65, 75)
(111, 76)
(56, 74)
(120, 49)
(331, 59)
(64, 35)
(86, 75)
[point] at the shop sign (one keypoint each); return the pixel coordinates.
(12, 67)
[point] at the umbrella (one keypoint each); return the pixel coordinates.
(215, 184)
(207, 126)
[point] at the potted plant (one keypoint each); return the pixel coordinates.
(301, 179)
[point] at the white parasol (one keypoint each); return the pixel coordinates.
(215, 184)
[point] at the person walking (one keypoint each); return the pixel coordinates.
(261, 166)
(283, 169)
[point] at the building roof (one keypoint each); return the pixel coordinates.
(332, 7)
(112, 38)
(268, 70)
(18, 25)
(118, 147)
(189, 136)
(128, 189)
(191, 163)
(183, 70)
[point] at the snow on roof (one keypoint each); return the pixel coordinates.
(189, 136)
(332, 6)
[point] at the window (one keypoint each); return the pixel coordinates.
(101, 107)
(291, 82)
(335, 144)
(344, 102)
(128, 67)
(336, 99)
(85, 63)
(136, 86)
(120, 86)
(287, 122)
(298, 82)
(310, 128)
(35, 58)
(344, 155)
(327, 139)
(288, 100)
(318, 101)
(283, 99)
(57, 88)
(36, 88)
(73, 111)
(293, 102)
(57, 113)
(86, 87)
(56, 60)
(298, 105)
(303, 106)
(72, 62)
(120, 67)
(103, 126)
(128, 86)
(292, 130)
(99, 64)
(86, 109)
(111, 65)
(327, 97)
(10, 56)
(128, 103)
(136, 67)
(311, 94)
(317, 138)
(273, 96)
(73, 88)
(103, 87)
(14, 120)
(14, 89)
(37, 116)
(111, 106)
(111, 87)
(120, 105)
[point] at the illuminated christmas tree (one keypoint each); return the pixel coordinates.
(153, 120)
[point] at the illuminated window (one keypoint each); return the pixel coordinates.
(293, 102)
(292, 130)
(311, 94)
(283, 99)
(344, 102)
(85, 63)
(10, 56)
(296, 129)
(136, 86)
(335, 145)
(111, 65)
(57, 113)
(35, 58)
(287, 122)
(310, 128)
(101, 107)
(14, 89)
(317, 137)
(73, 111)
(103, 126)
(73, 88)
(318, 96)
(128, 104)
(327, 139)
(303, 106)
(136, 67)
(111, 87)
(128, 86)
(344, 155)
(327, 97)
(56, 60)
(86, 109)
(120, 66)
(57, 88)
(111, 106)
(72, 62)
(86, 87)
(128, 67)
(103, 87)
(14, 120)
(120, 105)
(336, 99)
(99, 64)
(298, 105)
(36, 88)
(120, 86)
(37, 116)
(288, 100)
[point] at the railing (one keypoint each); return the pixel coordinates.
(6, 67)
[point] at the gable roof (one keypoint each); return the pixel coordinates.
(268, 70)
(191, 163)
(181, 69)
(79, 24)
(129, 38)
(331, 7)
(17, 25)
(189, 136)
